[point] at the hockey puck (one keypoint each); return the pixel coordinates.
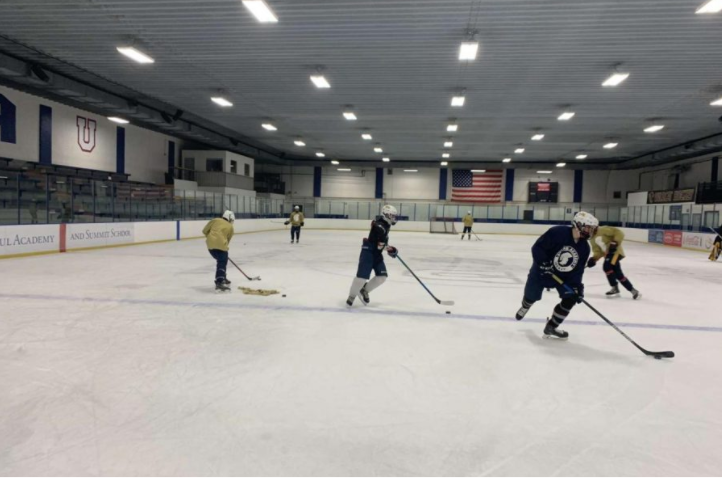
(448, 312)
(284, 296)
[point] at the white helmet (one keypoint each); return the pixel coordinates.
(229, 216)
(389, 213)
(585, 223)
(296, 208)
(468, 212)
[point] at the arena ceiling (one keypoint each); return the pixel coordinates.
(395, 64)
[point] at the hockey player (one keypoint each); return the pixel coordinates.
(561, 251)
(218, 233)
(296, 220)
(717, 246)
(613, 255)
(468, 223)
(371, 258)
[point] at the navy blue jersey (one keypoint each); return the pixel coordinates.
(569, 257)
(379, 234)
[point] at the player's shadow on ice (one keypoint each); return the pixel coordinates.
(569, 349)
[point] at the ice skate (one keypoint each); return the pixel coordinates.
(613, 292)
(551, 332)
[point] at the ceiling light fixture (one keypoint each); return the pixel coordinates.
(713, 6)
(118, 120)
(349, 115)
(344, 169)
(411, 171)
(519, 151)
(566, 116)
(506, 160)
(478, 171)
(320, 81)
(367, 136)
(219, 100)
(334, 162)
(136, 55)
(320, 154)
(581, 157)
(653, 128)
(717, 102)
(452, 127)
(468, 50)
(544, 172)
(538, 137)
(299, 143)
(616, 78)
(448, 144)
(446, 155)
(261, 10)
(269, 127)
(378, 150)
(609, 146)
(386, 159)
(458, 100)
(444, 163)
(561, 165)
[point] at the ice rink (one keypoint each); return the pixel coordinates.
(124, 361)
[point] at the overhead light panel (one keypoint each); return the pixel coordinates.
(136, 55)
(118, 120)
(320, 81)
(269, 127)
(219, 100)
(344, 169)
(448, 144)
(581, 157)
(478, 171)
(334, 162)
(386, 159)
(458, 100)
(712, 6)
(615, 79)
(299, 143)
(452, 127)
(261, 10)
(566, 116)
(320, 155)
(506, 160)
(609, 146)
(653, 128)
(468, 50)
(411, 171)
(561, 165)
(519, 151)
(717, 102)
(378, 150)
(444, 163)
(537, 137)
(367, 136)
(446, 155)
(349, 115)
(544, 172)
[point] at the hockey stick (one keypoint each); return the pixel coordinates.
(657, 355)
(255, 278)
(445, 303)
(477, 236)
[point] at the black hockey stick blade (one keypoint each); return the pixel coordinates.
(660, 354)
(446, 303)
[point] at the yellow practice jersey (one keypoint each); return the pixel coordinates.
(468, 220)
(218, 233)
(607, 235)
(296, 218)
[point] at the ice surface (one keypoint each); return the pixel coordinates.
(124, 361)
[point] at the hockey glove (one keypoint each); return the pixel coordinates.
(392, 251)
(576, 294)
(302, 223)
(547, 268)
(612, 248)
(591, 263)
(287, 223)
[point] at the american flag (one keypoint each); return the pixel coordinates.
(474, 187)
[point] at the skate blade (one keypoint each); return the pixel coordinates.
(222, 292)
(550, 336)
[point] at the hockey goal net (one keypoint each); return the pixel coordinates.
(442, 225)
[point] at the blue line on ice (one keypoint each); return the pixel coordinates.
(344, 310)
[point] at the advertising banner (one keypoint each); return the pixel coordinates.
(29, 239)
(673, 238)
(656, 236)
(105, 234)
(700, 241)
